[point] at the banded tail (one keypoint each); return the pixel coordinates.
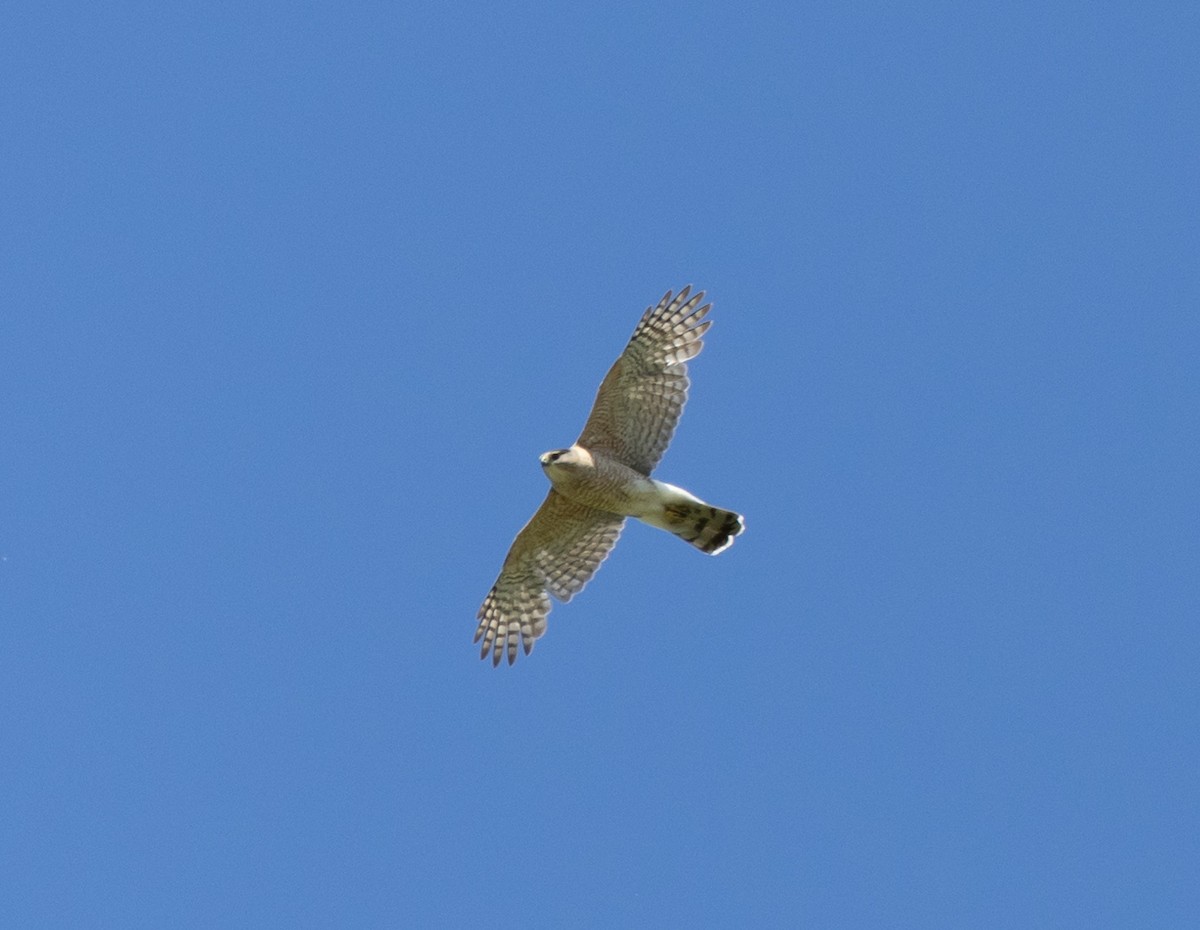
(710, 529)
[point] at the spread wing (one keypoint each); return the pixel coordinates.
(642, 396)
(556, 553)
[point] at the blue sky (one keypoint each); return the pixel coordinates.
(293, 295)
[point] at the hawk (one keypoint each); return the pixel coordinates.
(604, 478)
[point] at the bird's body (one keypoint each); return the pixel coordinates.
(599, 481)
(604, 478)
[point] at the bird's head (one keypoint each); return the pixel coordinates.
(565, 459)
(549, 458)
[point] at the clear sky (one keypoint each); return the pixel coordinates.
(292, 295)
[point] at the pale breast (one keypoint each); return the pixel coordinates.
(609, 486)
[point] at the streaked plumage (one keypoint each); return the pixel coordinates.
(604, 478)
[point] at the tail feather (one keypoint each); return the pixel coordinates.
(709, 529)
